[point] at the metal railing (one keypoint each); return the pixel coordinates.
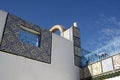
(108, 50)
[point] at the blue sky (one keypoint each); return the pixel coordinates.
(98, 20)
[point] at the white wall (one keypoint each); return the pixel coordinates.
(3, 16)
(68, 34)
(14, 67)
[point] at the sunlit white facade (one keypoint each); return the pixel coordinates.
(52, 57)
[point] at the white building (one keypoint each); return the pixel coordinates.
(28, 52)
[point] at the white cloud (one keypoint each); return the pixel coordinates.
(109, 32)
(107, 21)
(114, 20)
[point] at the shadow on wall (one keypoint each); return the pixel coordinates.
(86, 74)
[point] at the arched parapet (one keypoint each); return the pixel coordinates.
(57, 27)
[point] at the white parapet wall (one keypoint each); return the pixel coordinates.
(68, 34)
(61, 68)
(3, 16)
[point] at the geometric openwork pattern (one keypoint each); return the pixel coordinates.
(97, 69)
(13, 45)
(102, 67)
(116, 60)
(107, 65)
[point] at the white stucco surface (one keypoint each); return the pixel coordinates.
(3, 16)
(61, 68)
(68, 34)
